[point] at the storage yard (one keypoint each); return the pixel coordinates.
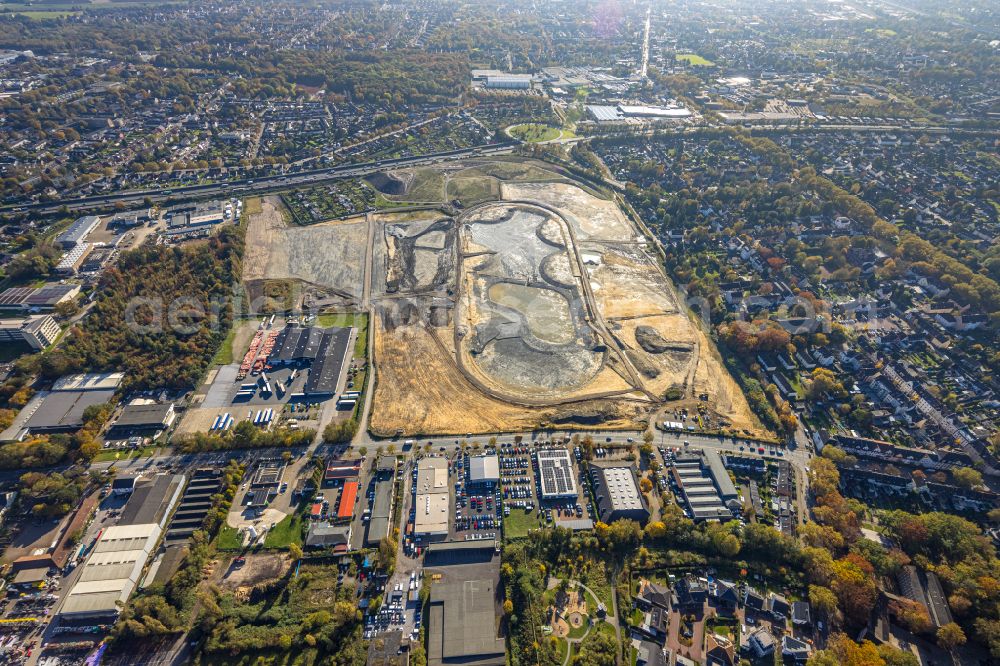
(287, 369)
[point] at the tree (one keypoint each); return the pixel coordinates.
(340, 432)
(912, 615)
(950, 636)
(295, 551)
(842, 651)
(854, 585)
(824, 602)
(508, 607)
(822, 382)
(645, 485)
(966, 477)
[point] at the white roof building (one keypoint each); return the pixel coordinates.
(484, 469)
(112, 571)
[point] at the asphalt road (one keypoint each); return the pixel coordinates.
(248, 186)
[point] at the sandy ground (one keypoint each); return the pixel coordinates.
(197, 419)
(257, 569)
(263, 236)
(276, 251)
(592, 218)
(421, 390)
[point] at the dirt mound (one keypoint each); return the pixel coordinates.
(642, 365)
(651, 341)
(386, 183)
(586, 414)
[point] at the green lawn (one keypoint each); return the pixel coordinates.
(120, 454)
(694, 59)
(225, 354)
(517, 524)
(534, 132)
(229, 539)
(579, 632)
(42, 15)
(288, 531)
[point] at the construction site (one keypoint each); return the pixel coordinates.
(506, 296)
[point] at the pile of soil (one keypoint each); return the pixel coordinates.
(651, 340)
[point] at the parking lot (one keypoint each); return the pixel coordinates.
(400, 610)
(477, 508)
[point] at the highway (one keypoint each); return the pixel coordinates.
(249, 186)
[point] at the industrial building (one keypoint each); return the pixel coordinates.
(706, 487)
(924, 587)
(431, 504)
(144, 418)
(339, 471)
(555, 469)
(616, 490)
(111, 573)
(463, 610)
(115, 565)
(198, 218)
(77, 232)
(32, 299)
(152, 500)
(38, 331)
(265, 482)
(509, 82)
(132, 218)
(61, 409)
(322, 350)
(623, 112)
(484, 471)
(380, 521)
(193, 505)
(73, 259)
(325, 535)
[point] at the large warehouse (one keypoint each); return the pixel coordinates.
(62, 408)
(322, 350)
(707, 489)
(555, 469)
(431, 502)
(616, 489)
(463, 611)
(112, 572)
(115, 566)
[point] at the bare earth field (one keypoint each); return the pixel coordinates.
(531, 303)
(276, 251)
(558, 315)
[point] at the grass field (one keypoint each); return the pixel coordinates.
(345, 320)
(225, 354)
(252, 206)
(288, 531)
(41, 15)
(229, 539)
(118, 454)
(534, 132)
(694, 59)
(517, 524)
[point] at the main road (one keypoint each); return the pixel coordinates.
(249, 186)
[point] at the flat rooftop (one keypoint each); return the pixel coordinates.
(431, 515)
(432, 476)
(556, 470)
